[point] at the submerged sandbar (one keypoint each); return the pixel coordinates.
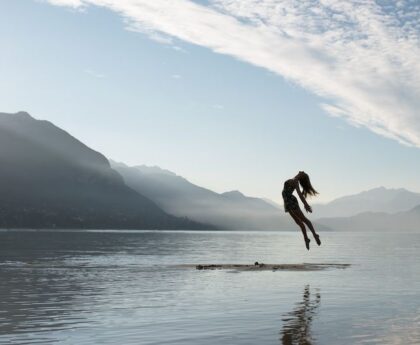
(267, 267)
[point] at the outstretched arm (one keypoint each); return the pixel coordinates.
(302, 198)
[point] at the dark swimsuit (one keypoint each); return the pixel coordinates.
(290, 201)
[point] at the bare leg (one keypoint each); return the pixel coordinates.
(298, 213)
(302, 227)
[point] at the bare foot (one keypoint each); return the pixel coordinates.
(317, 239)
(307, 240)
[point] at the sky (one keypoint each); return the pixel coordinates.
(230, 94)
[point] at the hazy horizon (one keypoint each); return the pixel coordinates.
(156, 168)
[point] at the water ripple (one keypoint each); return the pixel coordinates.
(122, 288)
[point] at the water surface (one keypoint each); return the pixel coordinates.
(126, 288)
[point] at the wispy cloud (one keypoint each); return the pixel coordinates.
(179, 49)
(95, 74)
(360, 56)
(69, 3)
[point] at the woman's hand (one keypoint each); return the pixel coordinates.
(308, 208)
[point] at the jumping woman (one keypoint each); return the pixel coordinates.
(291, 204)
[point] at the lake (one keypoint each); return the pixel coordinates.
(106, 287)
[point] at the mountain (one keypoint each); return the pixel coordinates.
(376, 221)
(176, 195)
(375, 200)
(49, 179)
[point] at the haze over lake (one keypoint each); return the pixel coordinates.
(125, 287)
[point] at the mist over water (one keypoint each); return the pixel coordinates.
(125, 288)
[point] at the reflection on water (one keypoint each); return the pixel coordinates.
(297, 323)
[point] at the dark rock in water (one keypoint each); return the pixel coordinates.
(207, 267)
(268, 267)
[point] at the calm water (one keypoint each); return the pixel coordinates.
(124, 288)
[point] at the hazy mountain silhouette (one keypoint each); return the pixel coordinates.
(176, 195)
(376, 221)
(49, 179)
(375, 200)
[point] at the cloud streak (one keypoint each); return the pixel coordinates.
(95, 74)
(360, 56)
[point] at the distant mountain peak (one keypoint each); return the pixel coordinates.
(145, 169)
(380, 188)
(23, 114)
(234, 194)
(376, 192)
(19, 115)
(385, 189)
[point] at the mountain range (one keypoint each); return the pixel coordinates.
(376, 221)
(382, 209)
(177, 196)
(49, 179)
(379, 199)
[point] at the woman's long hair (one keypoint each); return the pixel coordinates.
(307, 188)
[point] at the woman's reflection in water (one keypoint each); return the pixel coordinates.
(297, 323)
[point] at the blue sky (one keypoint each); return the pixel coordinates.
(220, 92)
